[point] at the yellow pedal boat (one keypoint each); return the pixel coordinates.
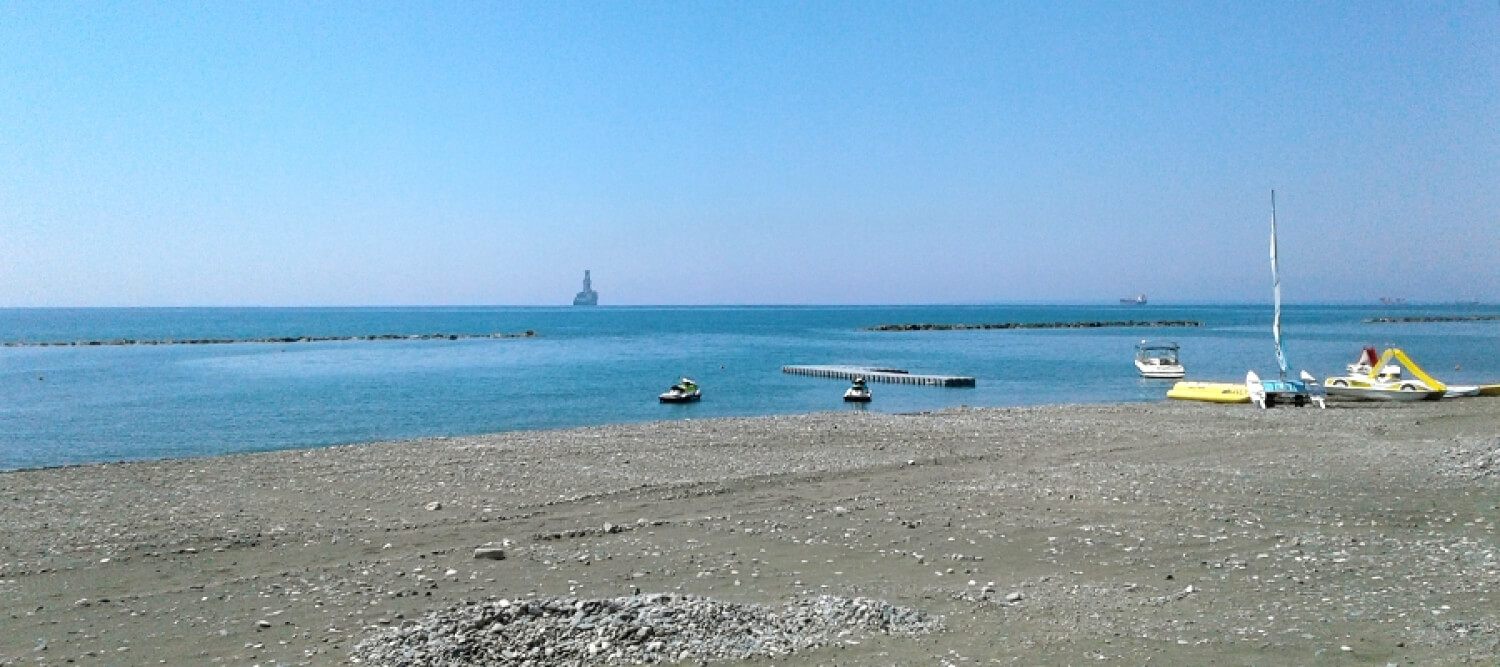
(1213, 392)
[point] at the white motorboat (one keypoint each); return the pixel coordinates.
(685, 391)
(859, 392)
(1158, 359)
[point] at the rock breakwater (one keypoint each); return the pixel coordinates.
(267, 339)
(1431, 318)
(926, 326)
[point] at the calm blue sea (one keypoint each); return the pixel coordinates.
(67, 405)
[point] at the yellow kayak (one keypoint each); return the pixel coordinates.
(1213, 392)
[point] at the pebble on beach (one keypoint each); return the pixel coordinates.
(637, 629)
(1172, 533)
(489, 552)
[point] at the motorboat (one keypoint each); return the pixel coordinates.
(1158, 360)
(685, 391)
(859, 392)
(1376, 379)
(1212, 392)
(1301, 391)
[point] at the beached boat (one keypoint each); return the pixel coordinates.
(1300, 392)
(1267, 393)
(859, 392)
(1401, 391)
(685, 391)
(1158, 359)
(1489, 390)
(1212, 392)
(1372, 378)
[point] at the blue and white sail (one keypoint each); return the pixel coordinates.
(1267, 392)
(1276, 294)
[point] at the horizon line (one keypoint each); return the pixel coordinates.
(1125, 306)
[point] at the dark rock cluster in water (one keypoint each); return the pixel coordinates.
(1431, 318)
(271, 339)
(637, 629)
(922, 326)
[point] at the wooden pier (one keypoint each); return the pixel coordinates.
(875, 374)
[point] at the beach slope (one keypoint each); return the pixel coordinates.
(1178, 533)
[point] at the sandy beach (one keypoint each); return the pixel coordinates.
(1170, 533)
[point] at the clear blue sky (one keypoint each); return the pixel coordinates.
(371, 153)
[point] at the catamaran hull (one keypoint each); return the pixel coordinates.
(1290, 397)
(1301, 392)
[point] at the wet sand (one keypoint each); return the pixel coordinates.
(1173, 533)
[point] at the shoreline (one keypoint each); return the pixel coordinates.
(1165, 531)
(545, 429)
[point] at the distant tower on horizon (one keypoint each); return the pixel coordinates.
(588, 297)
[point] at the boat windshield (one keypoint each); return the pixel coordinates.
(1166, 352)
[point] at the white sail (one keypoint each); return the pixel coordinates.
(1276, 293)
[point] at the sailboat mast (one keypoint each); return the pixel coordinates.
(1276, 294)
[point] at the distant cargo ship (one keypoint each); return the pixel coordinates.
(588, 297)
(1137, 300)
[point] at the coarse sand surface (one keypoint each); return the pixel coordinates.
(1168, 533)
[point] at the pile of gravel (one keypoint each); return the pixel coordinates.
(638, 629)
